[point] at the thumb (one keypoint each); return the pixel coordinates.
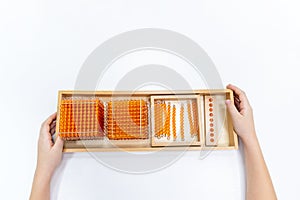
(231, 108)
(59, 144)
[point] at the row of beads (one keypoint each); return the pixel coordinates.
(168, 121)
(190, 117)
(195, 117)
(182, 122)
(159, 119)
(162, 120)
(211, 120)
(174, 123)
(83, 136)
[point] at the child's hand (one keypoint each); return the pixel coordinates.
(241, 114)
(49, 153)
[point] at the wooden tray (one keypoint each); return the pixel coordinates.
(221, 138)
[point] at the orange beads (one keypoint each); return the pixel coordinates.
(162, 120)
(81, 119)
(190, 119)
(210, 121)
(212, 135)
(195, 118)
(174, 122)
(168, 121)
(165, 119)
(159, 120)
(182, 122)
(127, 119)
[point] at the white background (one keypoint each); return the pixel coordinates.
(254, 44)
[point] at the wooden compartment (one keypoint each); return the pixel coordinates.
(175, 120)
(126, 120)
(217, 129)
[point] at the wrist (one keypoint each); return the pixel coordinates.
(43, 173)
(250, 141)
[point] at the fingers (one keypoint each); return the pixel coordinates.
(241, 99)
(59, 144)
(45, 128)
(53, 127)
(49, 120)
(232, 109)
(52, 131)
(53, 124)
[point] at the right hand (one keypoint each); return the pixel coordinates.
(241, 115)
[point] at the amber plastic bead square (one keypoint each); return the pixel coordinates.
(81, 119)
(127, 119)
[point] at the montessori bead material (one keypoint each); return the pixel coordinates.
(127, 119)
(81, 119)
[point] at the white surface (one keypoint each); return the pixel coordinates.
(254, 44)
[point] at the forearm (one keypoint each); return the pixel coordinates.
(49, 157)
(259, 183)
(40, 185)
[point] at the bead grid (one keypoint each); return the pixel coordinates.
(81, 119)
(127, 119)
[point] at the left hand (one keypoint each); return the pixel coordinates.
(49, 153)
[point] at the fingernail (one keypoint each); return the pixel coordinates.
(227, 101)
